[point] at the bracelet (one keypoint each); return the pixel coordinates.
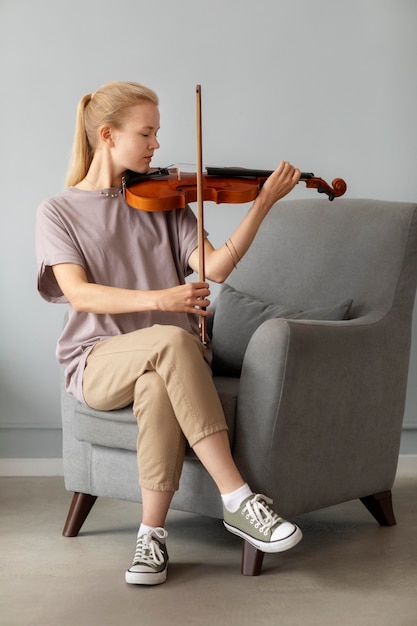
(231, 255)
(233, 246)
(230, 252)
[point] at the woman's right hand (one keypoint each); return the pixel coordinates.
(188, 298)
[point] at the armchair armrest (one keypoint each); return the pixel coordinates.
(313, 395)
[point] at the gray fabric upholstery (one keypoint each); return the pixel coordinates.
(238, 316)
(315, 416)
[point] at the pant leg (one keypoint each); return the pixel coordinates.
(115, 364)
(161, 442)
(114, 368)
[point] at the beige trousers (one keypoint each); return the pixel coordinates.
(162, 371)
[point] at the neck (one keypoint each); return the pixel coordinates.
(101, 174)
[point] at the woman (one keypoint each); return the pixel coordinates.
(132, 331)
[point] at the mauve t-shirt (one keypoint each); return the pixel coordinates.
(117, 246)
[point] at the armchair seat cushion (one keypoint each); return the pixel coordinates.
(119, 429)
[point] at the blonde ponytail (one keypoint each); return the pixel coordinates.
(82, 151)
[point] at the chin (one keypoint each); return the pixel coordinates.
(143, 169)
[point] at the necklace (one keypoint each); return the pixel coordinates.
(106, 194)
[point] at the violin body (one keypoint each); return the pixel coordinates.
(168, 189)
(169, 192)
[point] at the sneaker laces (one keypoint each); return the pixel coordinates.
(260, 514)
(148, 549)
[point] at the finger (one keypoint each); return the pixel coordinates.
(283, 170)
(198, 285)
(202, 293)
(202, 302)
(203, 312)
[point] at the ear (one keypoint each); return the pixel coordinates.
(106, 135)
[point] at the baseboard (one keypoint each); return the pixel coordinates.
(407, 466)
(31, 467)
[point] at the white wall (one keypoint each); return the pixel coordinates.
(327, 84)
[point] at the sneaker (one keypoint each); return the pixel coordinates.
(258, 524)
(150, 562)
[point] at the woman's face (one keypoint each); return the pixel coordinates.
(135, 142)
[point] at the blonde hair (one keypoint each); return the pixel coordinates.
(107, 105)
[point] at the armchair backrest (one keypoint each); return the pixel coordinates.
(313, 253)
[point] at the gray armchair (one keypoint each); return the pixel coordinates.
(314, 406)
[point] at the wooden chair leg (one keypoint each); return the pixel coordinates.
(252, 560)
(380, 506)
(81, 505)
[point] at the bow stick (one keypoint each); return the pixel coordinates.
(200, 210)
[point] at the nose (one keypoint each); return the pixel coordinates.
(154, 144)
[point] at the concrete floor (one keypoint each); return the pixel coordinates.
(347, 571)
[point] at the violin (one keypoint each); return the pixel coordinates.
(166, 189)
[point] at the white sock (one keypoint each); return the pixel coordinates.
(143, 529)
(233, 500)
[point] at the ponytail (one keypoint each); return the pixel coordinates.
(82, 152)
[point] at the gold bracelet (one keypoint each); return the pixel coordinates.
(231, 255)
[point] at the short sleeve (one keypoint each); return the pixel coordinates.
(54, 245)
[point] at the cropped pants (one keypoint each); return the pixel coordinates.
(161, 371)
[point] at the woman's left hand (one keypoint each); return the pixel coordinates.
(280, 183)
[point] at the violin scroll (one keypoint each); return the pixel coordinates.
(337, 189)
